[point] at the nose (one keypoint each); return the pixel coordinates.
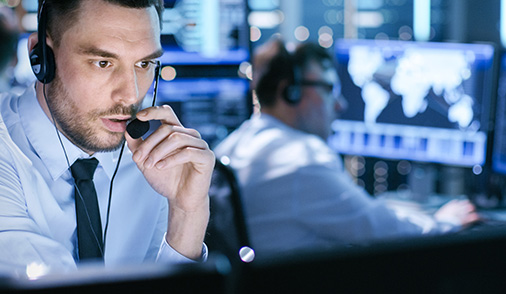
(127, 89)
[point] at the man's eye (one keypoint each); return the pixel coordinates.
(102, 63)
(144, 64)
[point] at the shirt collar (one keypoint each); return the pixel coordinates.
(42, 135)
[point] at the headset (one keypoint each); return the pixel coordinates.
(42, 56)
(292, 92)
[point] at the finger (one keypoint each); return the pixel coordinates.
(471, 218)
(164, 113)
(164, 132)
(133, 144)
(175, 143)
(195, 156)
(467, 205)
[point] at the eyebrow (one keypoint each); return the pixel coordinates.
(94, 51)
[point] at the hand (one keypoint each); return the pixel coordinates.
(175, 160)
(458, 212)
(177, 164)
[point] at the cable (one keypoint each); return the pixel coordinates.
(110, 192)
(95, 235)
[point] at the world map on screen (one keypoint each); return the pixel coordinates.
(412, 75)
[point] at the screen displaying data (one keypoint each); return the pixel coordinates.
(213, 106)
(205, 32)
(205, 42)
(426, 102)
(499, 148)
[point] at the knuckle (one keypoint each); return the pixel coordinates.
(194, 133)
(166, 106)
(176, 136)
(166, 128)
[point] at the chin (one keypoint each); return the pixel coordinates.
(112, 143)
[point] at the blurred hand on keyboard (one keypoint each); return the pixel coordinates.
(458, 212)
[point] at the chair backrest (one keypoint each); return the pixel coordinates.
(227, 232)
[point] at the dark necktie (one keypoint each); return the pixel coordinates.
(89, 227)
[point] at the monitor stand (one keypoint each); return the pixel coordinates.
(422, 181)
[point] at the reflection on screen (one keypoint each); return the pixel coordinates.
(426, 102)
(213, 106)
(205, 32)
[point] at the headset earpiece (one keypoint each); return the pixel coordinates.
(43, 65)
(42, 56)
(292, 92)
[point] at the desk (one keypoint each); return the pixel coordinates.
(401, 201)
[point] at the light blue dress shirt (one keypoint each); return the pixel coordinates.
(297, 195)
(37, 210)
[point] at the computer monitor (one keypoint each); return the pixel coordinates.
(199, 277)
(205, 44)
(214, 106)
(452, 263)
(205, 32)
(419, 101)
(499, 146)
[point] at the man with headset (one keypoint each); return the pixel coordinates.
(95, 61)
(295, 191)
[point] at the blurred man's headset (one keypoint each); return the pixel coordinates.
(292, 92)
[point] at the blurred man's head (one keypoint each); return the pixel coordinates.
(9, 35)
(304, 83)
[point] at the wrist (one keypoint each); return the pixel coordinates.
(186, 229)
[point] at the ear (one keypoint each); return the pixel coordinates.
(33, 39)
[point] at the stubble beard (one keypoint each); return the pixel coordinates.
(83, 128)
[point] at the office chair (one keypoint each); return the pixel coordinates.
(227, 232)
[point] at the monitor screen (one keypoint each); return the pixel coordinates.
(427, 102)
(23, 73)
(205, 32)
(499, 148)
(212, 106)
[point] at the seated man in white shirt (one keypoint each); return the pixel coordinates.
(94, 69)
(296, 193)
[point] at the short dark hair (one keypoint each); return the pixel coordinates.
(8, 42)
(283, 65)
(277, 69)
(307, 52)
(61, 13)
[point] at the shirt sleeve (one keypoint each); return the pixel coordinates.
(167, 254)
(24, 236)
(347, 212)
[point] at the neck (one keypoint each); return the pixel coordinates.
(282, 111)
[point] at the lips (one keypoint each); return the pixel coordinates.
(115, 124)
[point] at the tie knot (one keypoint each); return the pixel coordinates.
(83, 169)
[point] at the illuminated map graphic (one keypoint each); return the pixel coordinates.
(414, 74)
(418, 101)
